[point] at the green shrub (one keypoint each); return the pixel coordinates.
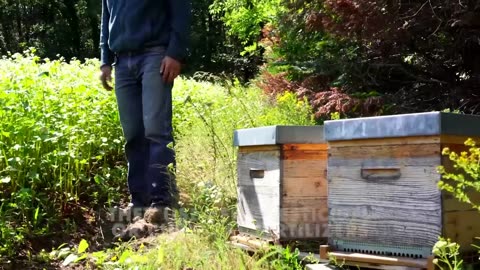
(464, 180)
(61, 145)
(245, 19)
(207, 116)
(447, 255)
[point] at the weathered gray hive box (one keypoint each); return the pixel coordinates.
(282, 186)
(383, 183)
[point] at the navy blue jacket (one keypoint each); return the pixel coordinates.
(131, 25)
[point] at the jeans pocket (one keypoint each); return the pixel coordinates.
(115, 60)
(152, 61)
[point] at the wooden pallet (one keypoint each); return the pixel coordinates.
(374, 261)
(357, 260)
(250, 242)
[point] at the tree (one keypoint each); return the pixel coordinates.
(400, 56)
(70, 29)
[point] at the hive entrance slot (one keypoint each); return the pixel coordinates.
(380, 173)
(382, 253)
(257, 174)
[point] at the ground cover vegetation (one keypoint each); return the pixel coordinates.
(355, 57)
(61, 152)
(462, 180)
(251, 63)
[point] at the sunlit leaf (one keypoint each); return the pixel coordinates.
(70, 259)
(6, 180)
(83, 246)
(83, 257)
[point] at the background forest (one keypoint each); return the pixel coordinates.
(353, 57)
(252, 63)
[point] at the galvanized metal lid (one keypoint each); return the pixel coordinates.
(403, 125)
(273, 135)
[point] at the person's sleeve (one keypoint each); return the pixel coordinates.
(106, 56)
(180, 14)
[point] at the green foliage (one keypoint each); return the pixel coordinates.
(206, 227)
(210, 114)
(447, 255)
(287, 103)
(450, 111)
(61, 146)
(68, 255)
(288, 259)
(244, 19)
(464, 179)
(371, 46)
(187, 250)
(210, 211)
(354, 47)
(214, 52)
(335, 116)
(70, 28)
(304, 50)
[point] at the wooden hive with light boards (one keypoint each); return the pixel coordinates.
(282, 185)
(383, 195)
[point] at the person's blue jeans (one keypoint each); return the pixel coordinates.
(145, 109)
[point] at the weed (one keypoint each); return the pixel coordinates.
(447, 255)
(61, 153)
(463, 178)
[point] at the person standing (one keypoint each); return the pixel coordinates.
(146, 42)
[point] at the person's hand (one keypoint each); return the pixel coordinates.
(106, 77)
(170, 69)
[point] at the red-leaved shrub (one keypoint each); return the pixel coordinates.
(323, 99)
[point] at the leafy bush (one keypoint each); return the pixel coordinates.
(447, 255)
(326, 102)
(464, 180)
(245, 19)
(351, 46)
(206, 116)
(61, 145)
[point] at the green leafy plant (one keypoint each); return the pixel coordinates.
(281, 258)
(60, 145)
(70, 255)
(335, 116)
(447, 255)
(61, 156)
(244, 19)
(464, 180)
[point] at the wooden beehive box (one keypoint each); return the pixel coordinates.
(383, 184)
(282, 186)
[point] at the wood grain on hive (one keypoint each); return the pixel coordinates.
(282, 186)
(383, 183)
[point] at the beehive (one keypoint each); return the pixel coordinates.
(383, 183)
(282, 186)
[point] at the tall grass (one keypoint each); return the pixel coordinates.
(60, 144)
(61, 147)
(206, 117)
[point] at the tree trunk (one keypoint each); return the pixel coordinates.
(18, 18)
(8, 31)
(93, 11)
(70, 13)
